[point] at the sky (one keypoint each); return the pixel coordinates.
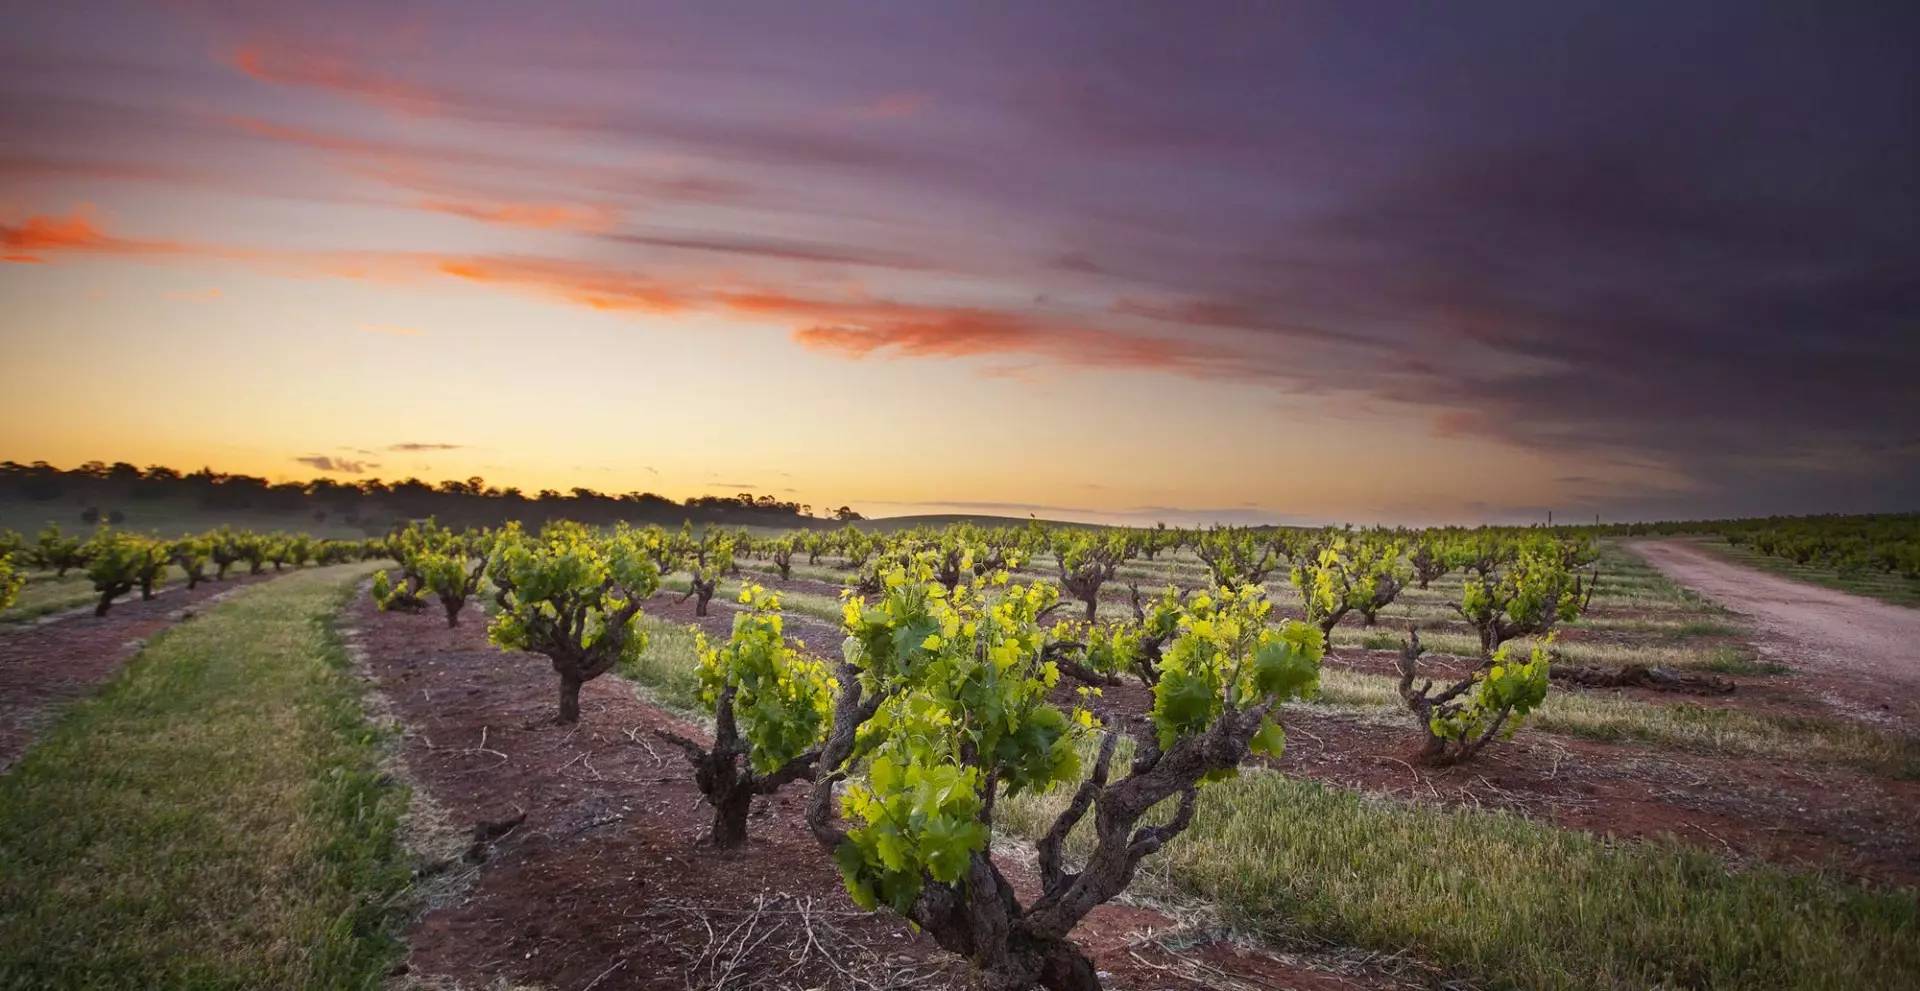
(1289, 262)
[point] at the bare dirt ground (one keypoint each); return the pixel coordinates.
(586, 867)
(1862, 655)
(54, 660)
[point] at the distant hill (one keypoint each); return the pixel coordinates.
(888, 524)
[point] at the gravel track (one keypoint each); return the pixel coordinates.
(1865, 654)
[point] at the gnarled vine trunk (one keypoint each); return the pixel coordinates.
(730, 819)
(1018, 947)
(569, 699)
(1424, 704)
(701, 592)
(719, 773)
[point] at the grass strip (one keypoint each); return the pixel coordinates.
(1507, 902)
(1678, 725)
(215, 818)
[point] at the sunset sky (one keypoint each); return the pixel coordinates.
(1337, 262)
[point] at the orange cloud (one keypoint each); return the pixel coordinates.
(933, 332)
(540, 216)
(43, 233)
(31, 239)
(583, 285)
(41, 238)
(284, 66)
(945, 334)
(853, 328)
(862, 327)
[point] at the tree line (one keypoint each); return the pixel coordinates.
(113, 493)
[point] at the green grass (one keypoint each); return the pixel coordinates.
(1691, 726)
(822, 572)
(1509, 903)
(1730, 659)
(1681, 725)
(1694, 656)
(1376, 640)
(667, 667)
(826, 608)
(1873, 584)
(215, 818)
(45, 594)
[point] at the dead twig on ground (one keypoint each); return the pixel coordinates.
(1418, 779)
(633, 734)
(617, 964)
(482, 749)
(789, 942)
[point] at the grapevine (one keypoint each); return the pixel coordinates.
(573, 597)
(771, 705)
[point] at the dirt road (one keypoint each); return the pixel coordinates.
(1863, 655)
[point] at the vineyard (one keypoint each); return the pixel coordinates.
(1002, 756)
(1878, 556)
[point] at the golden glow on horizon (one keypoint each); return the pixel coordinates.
(272, 370)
